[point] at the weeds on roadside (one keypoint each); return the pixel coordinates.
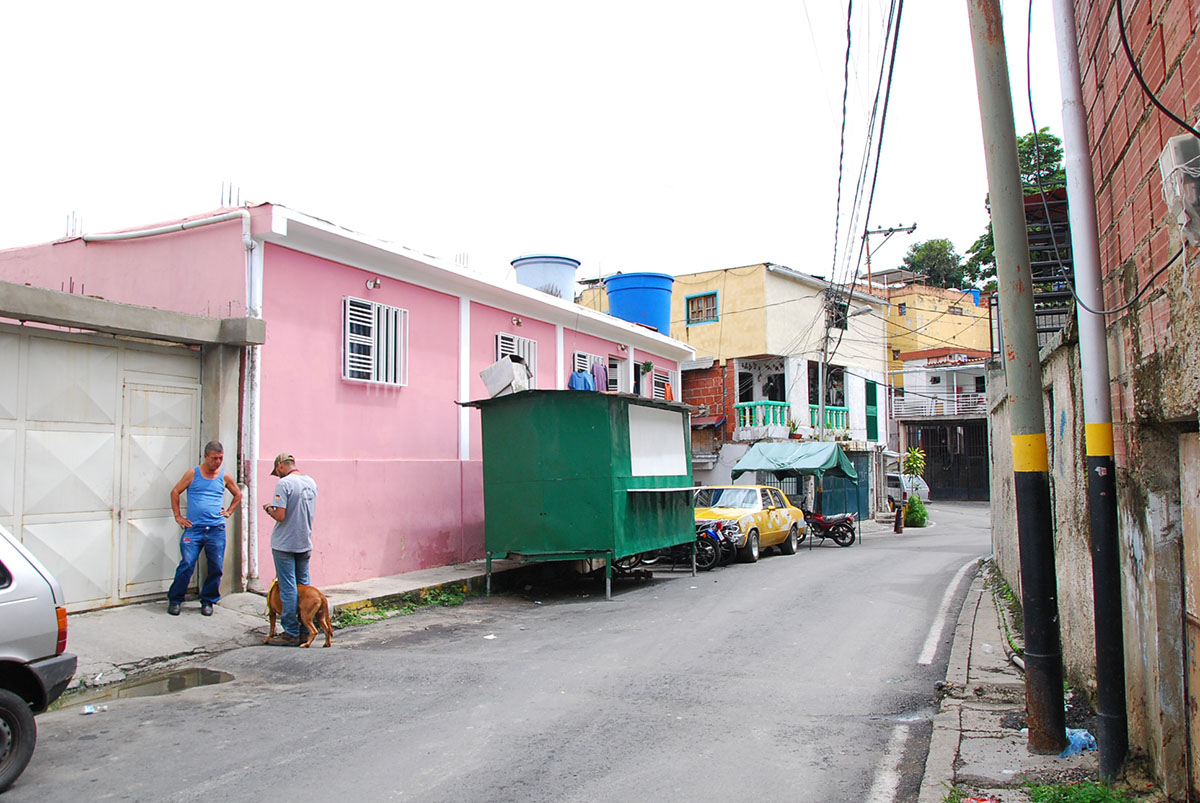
(445, 596)
(1004, 596)
(1082, 792)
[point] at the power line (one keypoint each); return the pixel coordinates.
(837, 217)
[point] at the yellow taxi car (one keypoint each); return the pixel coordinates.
(758, 515)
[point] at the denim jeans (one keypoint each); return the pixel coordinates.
(291, 568)
(196, 538)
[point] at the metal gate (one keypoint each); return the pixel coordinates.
(1189, 480)
(956, 458)
(96, 431)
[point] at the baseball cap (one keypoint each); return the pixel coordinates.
(282, 457)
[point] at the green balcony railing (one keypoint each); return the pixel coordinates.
(762, 413)
(835, 417)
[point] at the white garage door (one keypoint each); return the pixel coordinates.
(96, 432)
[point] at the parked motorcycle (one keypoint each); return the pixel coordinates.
(838, 527)
(708, 552)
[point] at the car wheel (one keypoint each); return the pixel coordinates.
(749, 553)
(19, 734)
(788, 547)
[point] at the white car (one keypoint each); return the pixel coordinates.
(35, 667)
(902, 486)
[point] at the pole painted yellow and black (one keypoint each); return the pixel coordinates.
(1035, 532)
(1112, 732)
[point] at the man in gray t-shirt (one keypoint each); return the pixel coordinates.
(291, 541)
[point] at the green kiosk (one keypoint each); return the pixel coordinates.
(579, 475)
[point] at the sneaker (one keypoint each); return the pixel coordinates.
(206, 608)
(173, 608)
(283, 640)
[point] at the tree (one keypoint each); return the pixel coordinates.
(937, 261)
(1042, 163)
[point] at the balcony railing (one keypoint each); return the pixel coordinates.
(930, 405)
(762, 413)
(835, 417)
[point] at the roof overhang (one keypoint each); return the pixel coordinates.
(310, 235)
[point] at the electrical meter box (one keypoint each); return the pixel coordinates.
(1179, 165)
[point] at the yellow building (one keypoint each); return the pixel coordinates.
(922, 318)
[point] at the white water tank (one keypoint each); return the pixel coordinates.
(554, 275)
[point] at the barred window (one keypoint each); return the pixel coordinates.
(582, 361)
(522, 347)
(374, 342)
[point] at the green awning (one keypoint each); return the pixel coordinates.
(795, 458)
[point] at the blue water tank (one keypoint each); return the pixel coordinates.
(643, 298)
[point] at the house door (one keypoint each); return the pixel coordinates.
(1189, 480)
(159, 443)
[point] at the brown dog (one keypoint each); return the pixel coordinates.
(314, 607)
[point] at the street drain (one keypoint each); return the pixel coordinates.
(151, 685)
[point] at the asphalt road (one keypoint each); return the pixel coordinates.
(797, 678)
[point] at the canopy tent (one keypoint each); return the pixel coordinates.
(795, 458)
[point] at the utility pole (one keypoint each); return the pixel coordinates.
(1031, 480)
(1112, 732)
(887, 233)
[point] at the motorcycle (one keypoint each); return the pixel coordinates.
(708, 552)
(838, 527)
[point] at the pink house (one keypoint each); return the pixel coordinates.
(159, 342)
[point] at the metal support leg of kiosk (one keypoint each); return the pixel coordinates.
(489, 575)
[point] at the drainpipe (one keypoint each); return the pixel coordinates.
(249, 522)
(1112, 734)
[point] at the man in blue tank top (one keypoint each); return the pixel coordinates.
(204, 528)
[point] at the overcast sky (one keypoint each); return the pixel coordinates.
(649, 135)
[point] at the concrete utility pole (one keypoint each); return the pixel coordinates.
(1039, 591)
(887, 234)
(1112, 732)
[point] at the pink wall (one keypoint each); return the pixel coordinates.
(201, 271)
(385, 459)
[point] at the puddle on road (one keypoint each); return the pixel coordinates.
(152, 685)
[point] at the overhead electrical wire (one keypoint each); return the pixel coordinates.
(837, 215)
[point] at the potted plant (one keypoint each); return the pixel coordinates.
(794, 429)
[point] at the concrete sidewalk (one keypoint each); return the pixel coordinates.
(976, 744)
(117, 642)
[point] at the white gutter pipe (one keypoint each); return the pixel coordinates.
(250, 386)
(244, 214)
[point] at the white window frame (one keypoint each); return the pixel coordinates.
(523, 347)
(374, 343)
(660, 381)
(582, 361)
(618, 377)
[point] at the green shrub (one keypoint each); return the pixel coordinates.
(916, 515)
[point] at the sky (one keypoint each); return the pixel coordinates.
(654, 135)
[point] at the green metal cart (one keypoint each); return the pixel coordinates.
(580, 475)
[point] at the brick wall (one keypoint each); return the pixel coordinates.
(1157, 342)
(714, 388)
(1154, 347)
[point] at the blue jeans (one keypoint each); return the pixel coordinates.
(195, 538)
(291, 568)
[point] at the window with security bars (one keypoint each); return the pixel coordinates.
(522, 347)
(374, 342)
(702, 309)
(661, 380)
(582, 361)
